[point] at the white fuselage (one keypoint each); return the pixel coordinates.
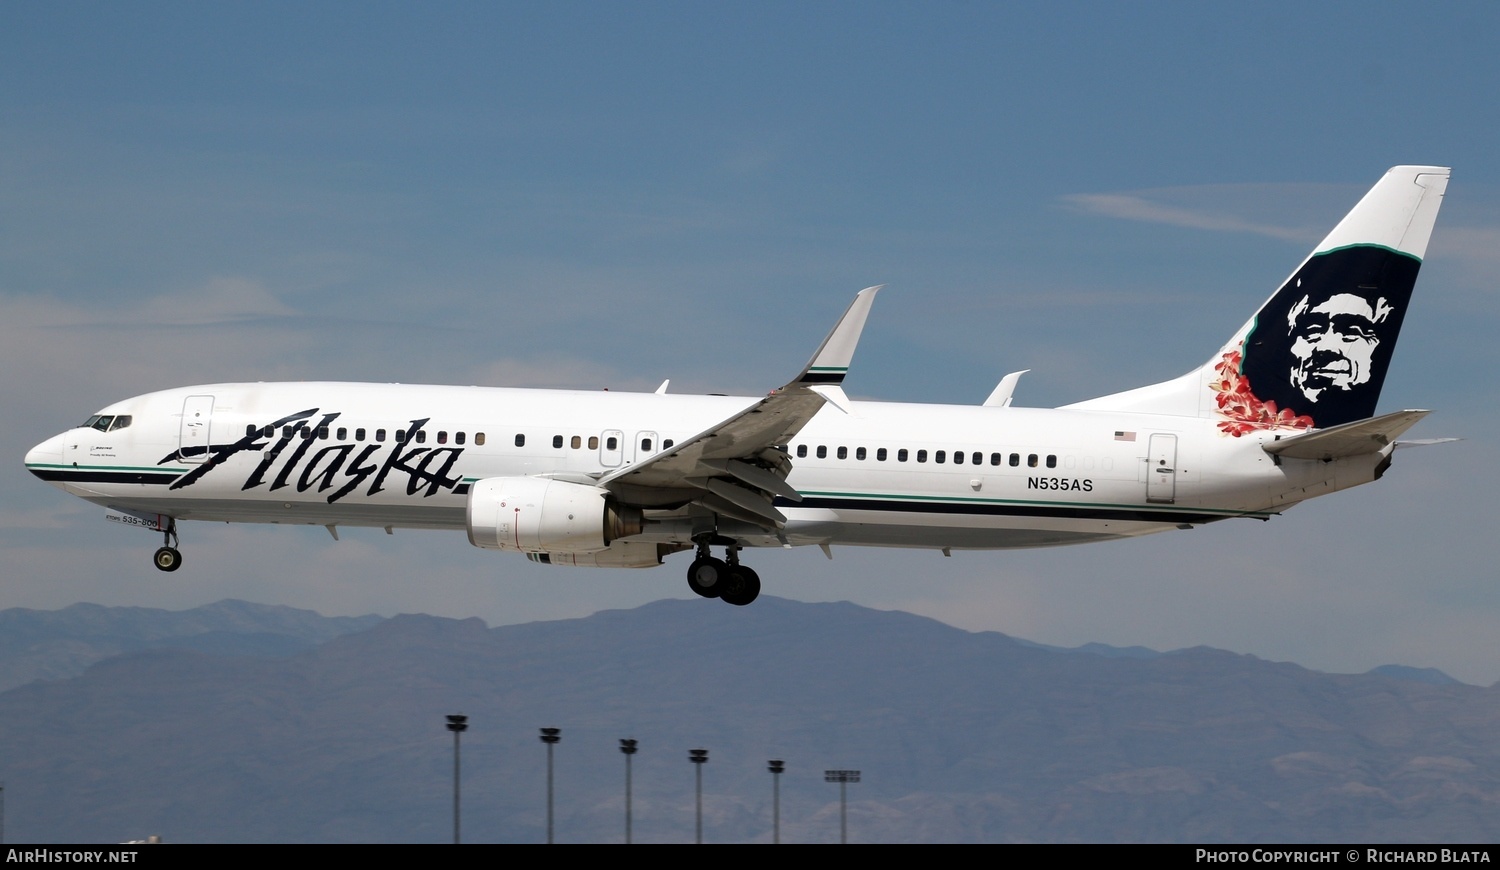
(883, 474)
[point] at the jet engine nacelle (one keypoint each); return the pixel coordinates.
(539, 515)
(620, 554)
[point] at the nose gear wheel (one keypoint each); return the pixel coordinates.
(168, 557)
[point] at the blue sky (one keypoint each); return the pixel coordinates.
(604, 194)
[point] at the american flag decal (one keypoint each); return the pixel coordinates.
(1124, 436)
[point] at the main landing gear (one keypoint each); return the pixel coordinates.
(728, 581)
(167, 557)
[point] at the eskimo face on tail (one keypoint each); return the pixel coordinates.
(1320, 348)
(1334, 343)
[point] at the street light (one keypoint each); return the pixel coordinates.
(776, 766)
(699, 757)
(458, 725)
(843, 778)
(627, 746)
(550, 736)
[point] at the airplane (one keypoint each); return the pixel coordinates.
(1283, 412)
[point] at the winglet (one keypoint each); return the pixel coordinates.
(831, 362)
(1002, 395)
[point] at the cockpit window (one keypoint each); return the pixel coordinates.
(106, 422)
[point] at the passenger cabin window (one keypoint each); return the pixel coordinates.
(400, 436)
(921, 455)
(822, 452)
(421, 436)
(458, 438)
(958, 457)
(901, 455)
(442, 437)
(843, 453)
(859, 453)
(1031, 461)
(380, 435)
(646, 445)
(977, 458)
(557, 441)
(593, 442)
(996, 458)
(1051, 460)
(612, 443)
(576, 443)
(359, 434)
(880, 455)
(801, 451)
(940, 456)
(667, 444)
(520, 441)
(479, 439)
(1015, 460)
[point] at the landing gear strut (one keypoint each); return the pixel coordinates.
(725, 579)
(167, 557)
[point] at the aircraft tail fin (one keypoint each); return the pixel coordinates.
(1316, 353)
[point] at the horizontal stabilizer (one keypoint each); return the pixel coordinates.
(1425, 442)
(1351, 439)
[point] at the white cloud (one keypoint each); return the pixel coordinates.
(1148, 206)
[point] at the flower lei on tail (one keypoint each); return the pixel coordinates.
(1246, 413)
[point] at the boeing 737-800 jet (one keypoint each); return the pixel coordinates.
(1281, 412)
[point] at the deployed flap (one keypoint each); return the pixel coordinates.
(1351, 439)
(717, 468)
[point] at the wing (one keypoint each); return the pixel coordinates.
(738, 466)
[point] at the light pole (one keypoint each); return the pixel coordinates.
(843, 778)
(627, 746)
(458, 725)
(776, 766)
(550, 736)
(699, 757)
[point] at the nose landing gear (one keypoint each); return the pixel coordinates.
(167, 557)
(725, 579)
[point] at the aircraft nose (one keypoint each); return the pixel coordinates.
(46, 455)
